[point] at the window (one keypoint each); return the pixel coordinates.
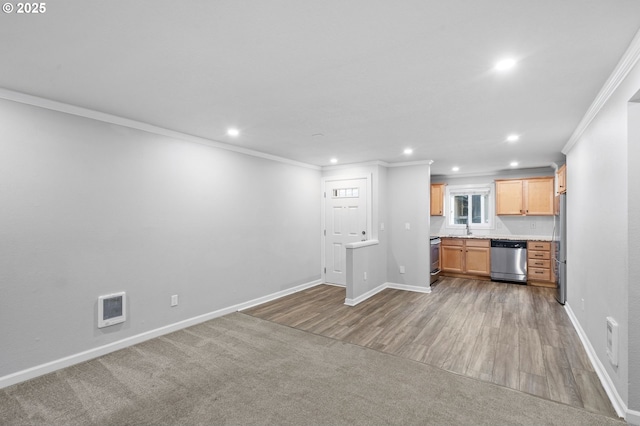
(346, 193)
(470, 204)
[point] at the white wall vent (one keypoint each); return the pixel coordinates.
(612, 341)
(112, 309)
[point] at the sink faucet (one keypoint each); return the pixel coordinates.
(468, 230)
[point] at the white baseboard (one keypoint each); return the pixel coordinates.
(406, 287)
(363, 297)
(370, 293)
(617, 402)
(70, 360)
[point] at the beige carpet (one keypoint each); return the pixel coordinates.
(242, 370)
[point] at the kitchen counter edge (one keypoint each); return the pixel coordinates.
(498, 237)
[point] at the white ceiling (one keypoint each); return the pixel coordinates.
(372, 77)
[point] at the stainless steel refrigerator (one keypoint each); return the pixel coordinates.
(560, 252)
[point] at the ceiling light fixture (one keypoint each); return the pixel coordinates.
(408, 151)
(505, 64)
(334, 160)
(514, 164)
(233, 132)
(455, 168)
(512, 138)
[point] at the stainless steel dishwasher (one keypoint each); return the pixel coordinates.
(509, 261)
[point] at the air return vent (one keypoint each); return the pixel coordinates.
(112, 309)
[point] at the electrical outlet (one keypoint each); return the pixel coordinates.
(174, 300)
(401, 269)
(365, 276)
(407, 226)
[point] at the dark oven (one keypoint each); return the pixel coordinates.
(435, 259)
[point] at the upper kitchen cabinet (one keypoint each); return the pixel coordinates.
(437, 199)
(562, 179)
(532, 196)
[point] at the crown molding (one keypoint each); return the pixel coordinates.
(620, 72)
(412, 163)
(352, 165)
(518, 172)
(377, 163)
(37, 101)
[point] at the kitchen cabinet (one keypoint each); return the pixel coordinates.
(437, 199)
(466, 256)
(540, 271)
(561, 175)
(531, 196)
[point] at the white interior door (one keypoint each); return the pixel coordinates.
(345, 222)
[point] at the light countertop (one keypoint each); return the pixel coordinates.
(498, 237)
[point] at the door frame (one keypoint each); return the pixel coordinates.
(368, 177)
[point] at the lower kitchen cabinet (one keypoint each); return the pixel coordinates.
(540, 271)
(466, 256)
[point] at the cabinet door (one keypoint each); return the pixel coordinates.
(539, 196)
(437, 199)
(451, 258)
(509, 197)
(562, 179)
(478, 260)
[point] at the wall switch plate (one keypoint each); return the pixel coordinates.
(583, 304)
(174, 300)
(407, 226)
(382, 226)
(401, 269)
(365, 276)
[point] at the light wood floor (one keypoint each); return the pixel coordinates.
(512, 335)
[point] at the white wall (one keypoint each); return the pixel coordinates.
(599, 181)
(90, 208)
(633, 160)
(400, 195)
(408, 191)
(372, 259)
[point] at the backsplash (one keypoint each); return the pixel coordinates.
(505, 225)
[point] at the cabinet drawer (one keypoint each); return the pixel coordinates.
(452, 242)
(539, 245)
(532, 254)
(539, 263)
(478, 243)
(541, 274)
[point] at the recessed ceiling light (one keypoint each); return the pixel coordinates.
(408, 151)
(513, 138)
(455, 168)
(514, 164)
(334, 160)
(233, 132)
(505, 64)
